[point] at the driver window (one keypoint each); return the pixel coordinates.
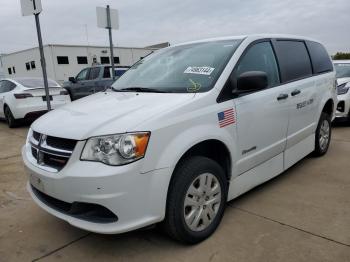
(82, 75)
(260, 57)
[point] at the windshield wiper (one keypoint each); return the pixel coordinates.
(141, 89)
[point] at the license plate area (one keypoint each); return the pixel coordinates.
(37, 182)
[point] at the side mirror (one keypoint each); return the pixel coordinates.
(252, 81)
(72, 79)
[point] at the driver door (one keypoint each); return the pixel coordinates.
(81, 87)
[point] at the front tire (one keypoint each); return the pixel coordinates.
(11, 121)
(323, 135)
(196, 200)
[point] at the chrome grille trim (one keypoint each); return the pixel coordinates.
(47, 157)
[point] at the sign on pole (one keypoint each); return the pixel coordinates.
(102, 19)
(108, 18)
(33, 7)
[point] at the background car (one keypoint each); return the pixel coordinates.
(92, 80)
(25, 98)
(343, 81)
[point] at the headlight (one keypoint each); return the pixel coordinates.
(116, 150)
(343, 89)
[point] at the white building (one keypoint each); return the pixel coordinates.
(63, 61)
(2, 74)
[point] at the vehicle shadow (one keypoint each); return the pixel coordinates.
(21, 123)
(340, 124)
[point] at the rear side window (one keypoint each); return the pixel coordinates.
(294, 60)
(107, 72)
(7, 86)
(120, 72)
(321, 61)
(94, 73)
(2, 85)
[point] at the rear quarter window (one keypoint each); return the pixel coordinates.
(294, 60)
(320, 58)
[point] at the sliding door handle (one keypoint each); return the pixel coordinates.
(282, 97)
(296, 92)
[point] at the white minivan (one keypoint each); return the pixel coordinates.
(182, 132)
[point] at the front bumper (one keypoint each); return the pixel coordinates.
(137, 199)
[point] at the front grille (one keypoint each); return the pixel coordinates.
(85, 211)
(51, 152)
(61, 143)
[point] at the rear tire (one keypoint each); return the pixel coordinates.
(11, 121)
(196, 200)
(323, 135)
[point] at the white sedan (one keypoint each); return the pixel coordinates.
(24, 98)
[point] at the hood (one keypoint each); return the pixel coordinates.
(343, 80)
(106, 113)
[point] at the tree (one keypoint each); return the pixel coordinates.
(341, 56)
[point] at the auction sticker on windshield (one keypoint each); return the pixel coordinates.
(200, 70)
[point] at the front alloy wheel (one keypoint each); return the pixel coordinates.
(202, 202)
(196, 200)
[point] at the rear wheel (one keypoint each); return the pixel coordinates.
(11, 121)
(323, 135)
(196, 200)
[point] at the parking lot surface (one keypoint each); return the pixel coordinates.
(302, 215)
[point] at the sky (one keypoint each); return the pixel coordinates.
(150, 22)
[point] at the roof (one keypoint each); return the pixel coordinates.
(252, 36)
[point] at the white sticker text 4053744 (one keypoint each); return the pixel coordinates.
(200, 70)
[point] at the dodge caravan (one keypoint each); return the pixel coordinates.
(182, 132)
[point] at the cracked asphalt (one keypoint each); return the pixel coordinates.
(302, 215)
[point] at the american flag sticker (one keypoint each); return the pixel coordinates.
(226, 118)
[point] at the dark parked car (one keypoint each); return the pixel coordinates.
(91, 80)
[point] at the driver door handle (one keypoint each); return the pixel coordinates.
(296, 92)
(282, 97)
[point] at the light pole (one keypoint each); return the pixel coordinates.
(109, 26)
(42, 61)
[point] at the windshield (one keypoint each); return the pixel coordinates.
(343, 70)
(179, 69)
(36, 82)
